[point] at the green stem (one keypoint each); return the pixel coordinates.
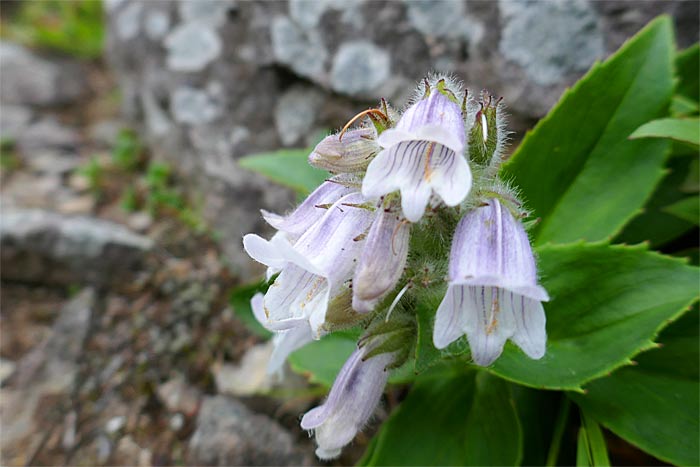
(559, 429)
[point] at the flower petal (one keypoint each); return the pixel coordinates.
(287, 342)
(530, 334)
(450, 318)
(489, 323)
(451, 178)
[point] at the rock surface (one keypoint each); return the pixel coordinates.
(228, 433)
(215, 84)
(28, 79)
(49, 247)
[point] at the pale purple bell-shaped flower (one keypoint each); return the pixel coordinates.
(315, 267)
(422, 154)
(382, 261)
(285, 341)
(312, 208)
(350, 404)
(493, 294)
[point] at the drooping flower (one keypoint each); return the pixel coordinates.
(315, 267)
(493, 293)
(350, 154)
(382, 261)
(313, 207)
(422, 154)
(285, 341)
(351, 402)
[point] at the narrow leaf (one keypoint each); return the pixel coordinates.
(685, 130)
(687, 209)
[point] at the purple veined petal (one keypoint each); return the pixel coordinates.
(491, 248)
(384, 174)
(435, 111)
(351, 402)
(258, 307)
(441, 136)
(451, 177)
(331, 244)
(308, 212)
(391, 137)
(530, 334)
(285, 343)
(292, 294)
(382, 260)
(450, 318)
(489, 322)
(264, 251)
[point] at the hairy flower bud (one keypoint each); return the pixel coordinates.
(486, 138)
(382, 261)
(350, 153)
(493, 293)
(351, 402)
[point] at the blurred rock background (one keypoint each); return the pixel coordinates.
(123, 207)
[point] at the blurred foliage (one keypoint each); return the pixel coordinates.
(73, 27)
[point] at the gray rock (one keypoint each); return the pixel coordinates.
(14, 119)
(296, 112)
(300, 49)
(437, 18)
(192, 46)
(128, 23)
(157, 24)
(359, 68)
(48, 372)
(47, 133)
(209, 12)
(41, 246)
(178, 396)
(550, 39)
(308, 13)
(228, 433)
(193, 106)
(28, 79)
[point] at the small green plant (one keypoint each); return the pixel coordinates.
(129, 201)
(94, 173)
(73, 27)
(8, 157)
(126, 152)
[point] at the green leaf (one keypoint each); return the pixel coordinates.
(654, 405)
(239, 299)
(572, 165)
(608, 304)
(681, 106)
(321, 361)
(655, 224)
(288, 167)
(537, 411)
(452, 416)
(592, 450)
(685, 130)
(687, 209)
(687, 66)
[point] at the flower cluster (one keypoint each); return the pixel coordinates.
(408, 191)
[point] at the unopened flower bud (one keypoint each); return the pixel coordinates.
(350, 153)
(382, 261)
(485, 137)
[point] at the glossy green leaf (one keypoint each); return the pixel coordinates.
(452, 416)
(608, 304)
(570, 167)
(681, 106)
(687, 66)
(654, 405)
(685, 130)
(687, 209)
(538, 412)
(239, 299)
(288, 167)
